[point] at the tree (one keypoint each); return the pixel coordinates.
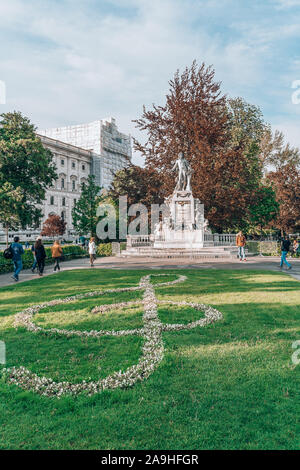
(247, 125)
(10, 199)
(286, 182)
(54, 226)
(265, 208)
(84, 213)
(275, 153)
(138, 184)
(198, 120)
(26, 165)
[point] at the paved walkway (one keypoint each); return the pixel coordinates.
(258, 263)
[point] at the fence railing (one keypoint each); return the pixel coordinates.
(220, 239)
(139, 240)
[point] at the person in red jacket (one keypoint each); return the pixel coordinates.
(241, 243)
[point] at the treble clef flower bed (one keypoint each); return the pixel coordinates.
(151, 332)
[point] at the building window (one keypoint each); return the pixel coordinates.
(73, 164)
(63, 201)
(62, 162)
(73, 185)
(51, 200)
(75, 201)
(83, 167)
(62, 183)
(63, 215)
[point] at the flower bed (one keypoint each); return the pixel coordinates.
(152, 351)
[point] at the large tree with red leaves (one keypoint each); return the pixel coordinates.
(198, 120)
(54, 226)
(286, 182)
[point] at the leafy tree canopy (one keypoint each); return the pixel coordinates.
(26, 165)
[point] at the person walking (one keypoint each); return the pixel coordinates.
(17, 252)
(34, 265)
(40, 255)
(56, 251)
(241, 243)
(285, 247)
(92, 251)
(295, 247)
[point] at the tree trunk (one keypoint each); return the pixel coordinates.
(6, 231)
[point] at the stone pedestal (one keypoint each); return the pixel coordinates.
(183, 227)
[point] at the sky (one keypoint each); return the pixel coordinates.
(67, 62)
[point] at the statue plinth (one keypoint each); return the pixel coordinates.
(183, 227)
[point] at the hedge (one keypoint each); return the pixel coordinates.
(104, 249)
(69, 251)
(266, 248)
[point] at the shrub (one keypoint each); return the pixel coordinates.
(104, 249)
(69, 251)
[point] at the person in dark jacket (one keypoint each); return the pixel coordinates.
(285, 247)
(17, 251)
(33, 267)
(40, 255)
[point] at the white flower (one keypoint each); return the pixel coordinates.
(152, 351)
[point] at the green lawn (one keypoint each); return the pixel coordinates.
(230, 385)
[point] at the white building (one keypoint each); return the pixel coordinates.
(96, 148)
(111, 148)
(73, 164)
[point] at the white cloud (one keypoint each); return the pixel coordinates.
(66, 62)
(283, 4)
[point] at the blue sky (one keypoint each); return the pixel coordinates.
(72, 61)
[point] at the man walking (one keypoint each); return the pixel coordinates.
(241, 243)
(285, 246)
(17, 251)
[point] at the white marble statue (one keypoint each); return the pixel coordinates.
(185, 172)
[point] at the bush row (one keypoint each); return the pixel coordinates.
(69, 252)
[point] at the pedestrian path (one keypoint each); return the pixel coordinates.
(257, 263)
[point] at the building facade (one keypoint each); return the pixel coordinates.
(111, 148)
(96, 148)
(74, 165)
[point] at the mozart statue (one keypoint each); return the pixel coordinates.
(183, 182)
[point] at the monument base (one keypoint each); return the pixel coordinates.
(190, 240)
(183, 226)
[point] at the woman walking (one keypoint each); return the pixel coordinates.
(40, 255)
(241, 243)
(92, 251)
(56, 251)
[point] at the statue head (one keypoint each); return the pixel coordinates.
(181, 155)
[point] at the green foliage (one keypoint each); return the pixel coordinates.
(104, 249)
(69, 251)
(247, 124)
(265, 207)
(10, 199)
(84, 213)
(26, 165)
(267, 248)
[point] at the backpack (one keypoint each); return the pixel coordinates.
(8, 253)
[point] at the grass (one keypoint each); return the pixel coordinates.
(230, 385)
